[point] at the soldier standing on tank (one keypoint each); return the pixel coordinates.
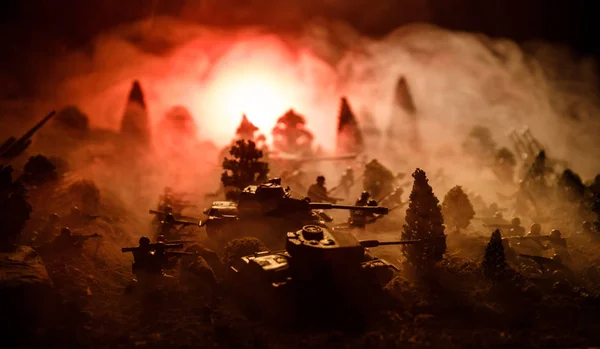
(534, 230)
(516, 229)
(318, 192)
(532, 245)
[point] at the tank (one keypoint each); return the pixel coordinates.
(270, 209)
(317, 255)
(321, 269)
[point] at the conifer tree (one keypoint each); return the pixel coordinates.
(457, 209)
(424, 221)
(245, 167)
(494, 261)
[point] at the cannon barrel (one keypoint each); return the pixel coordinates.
(326, 206)
(14, 147)
(500, 225)
(375, 243)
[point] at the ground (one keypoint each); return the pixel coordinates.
(452, 307)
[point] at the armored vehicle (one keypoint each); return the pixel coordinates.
(320, 268)
(269, 208)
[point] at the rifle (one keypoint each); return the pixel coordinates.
(176, 216)
(151, 247)
(78, 240)
(400, 205)
(86, 237)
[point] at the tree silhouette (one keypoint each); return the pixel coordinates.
(246, 167)
(494, 261)
(290, 136)
(349, 137)
(14, 208)
(424, 221)
(457, 209)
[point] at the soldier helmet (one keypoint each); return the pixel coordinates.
(75, 210)
(161, 238)
(555, 233)
(144, 241)
(65, 231)
(349, 169)
(498, 214)
(372, 203)
(535, 228)
(54, 218)
(321, 179)
(515, 221)
(365, 195)
(586, 226)
(168, 208)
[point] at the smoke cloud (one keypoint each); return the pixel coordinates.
(456, 80)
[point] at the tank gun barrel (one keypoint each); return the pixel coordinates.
(326, 206)
(531, 237)
(375, 243)
(499, 225)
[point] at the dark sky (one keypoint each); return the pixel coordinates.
(34, 28)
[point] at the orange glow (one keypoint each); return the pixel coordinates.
(257, 75)
(253, 90)
(263, 79)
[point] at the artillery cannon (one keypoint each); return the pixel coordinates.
(14, 147)
(270, 208)
(319, 269)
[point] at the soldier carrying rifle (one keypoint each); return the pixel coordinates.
(150, 260)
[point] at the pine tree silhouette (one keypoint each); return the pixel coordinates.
(246, 167)
(457, 209)
(349, 137)
(494, 261)
(14, 208)
(424, 221)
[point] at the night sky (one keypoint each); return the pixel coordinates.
(43, 28)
